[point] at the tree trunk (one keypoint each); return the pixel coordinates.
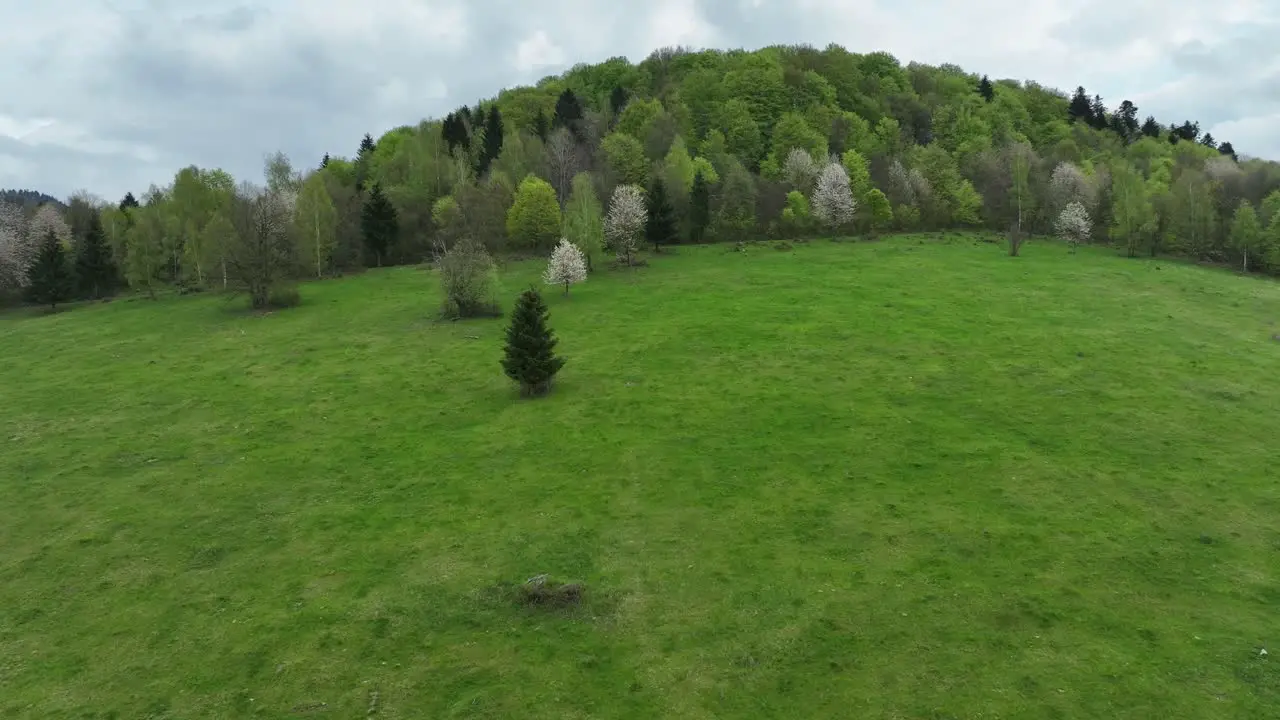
(1246, 260)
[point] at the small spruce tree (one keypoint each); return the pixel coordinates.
(529, 357)
(49, 278)
(95, 272)
(986, 90)
(660, 224)
(379, 224)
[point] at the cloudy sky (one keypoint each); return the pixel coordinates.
(112, 95)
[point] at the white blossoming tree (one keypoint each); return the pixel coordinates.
(16, 250)
(1073, 225)
(624, 224)
(1069, 184)
(567, 266)
(833, 201)
(800, 170)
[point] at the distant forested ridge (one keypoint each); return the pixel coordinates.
(737, 144)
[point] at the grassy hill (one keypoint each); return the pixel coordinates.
(913, 478)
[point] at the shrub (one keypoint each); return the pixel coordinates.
(469, 280)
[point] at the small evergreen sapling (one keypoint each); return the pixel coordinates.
(50, 276)
(529, 357)
(567, 266)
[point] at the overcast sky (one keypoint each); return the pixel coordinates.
(112, 95)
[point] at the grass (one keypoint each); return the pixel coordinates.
(903, 479)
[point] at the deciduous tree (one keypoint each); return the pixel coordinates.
(262, 253)
(1246, 233)
(534, 222)
(833, 202)
(625, 222)
(584, 218)
(1073, 225)
(566, 266)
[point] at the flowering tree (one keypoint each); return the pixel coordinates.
(1073, 225)
(567, 266)
(800, 170)
(1069, 184)
(833, 201)
(16, 252)
(625, 222)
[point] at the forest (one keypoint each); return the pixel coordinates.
(723, 146)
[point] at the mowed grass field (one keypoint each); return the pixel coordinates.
(906, 479)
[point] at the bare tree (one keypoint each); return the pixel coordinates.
(262, 252)
(564, 160)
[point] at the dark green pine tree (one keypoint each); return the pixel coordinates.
(129, 201)
(493, 133)
(986, 89)
(379, 224)
(1226, 149)
(1208, 141)
(1080, 107)
(529, 357)
(50, 276)
(568, 112)
(1151, 128)
(367, 145)
(95, 271)
(699, 208)
(660, 224)
(324, 161)
(1098, 113)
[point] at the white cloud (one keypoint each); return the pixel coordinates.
(134, 89)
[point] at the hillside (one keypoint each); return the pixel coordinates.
(905, 479)
(925, 148)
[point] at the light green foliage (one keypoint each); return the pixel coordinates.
(735, 216)
(145, 250)
(756, 79)
(1246, 233)
(876, 206)
(888, 136)
(523, 154)
(961, 129)
(637, 118)
(348, 481)
(1270, 208)
(584, 219)
(1193, 218)
(317, 224)
(679, 165)
(966, 205)
(793, 132)
(906, 217)
(742, 136)
(533, 222)
(796, 217)
(625, 156)
(859, 172)
(1131, 208)
(704, 166)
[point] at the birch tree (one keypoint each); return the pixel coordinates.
(583, 218)
(317, 223)
(1246, 233)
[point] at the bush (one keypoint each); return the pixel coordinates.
(469, 279)
(284, 296)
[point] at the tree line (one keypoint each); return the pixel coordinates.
(707, 146)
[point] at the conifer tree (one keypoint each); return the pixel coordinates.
(617, 100)
(568, 112)
(1151, 128)
(492, 135)
(1098, 113)
(1080, 107)
(1226, 149)
(379, 224)
(49, 278)
(367, 145)
(699, 208)
(324, 161)
(95, 270)
(660, 224)
(986, 90)
(529, 357)
(128, 201)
